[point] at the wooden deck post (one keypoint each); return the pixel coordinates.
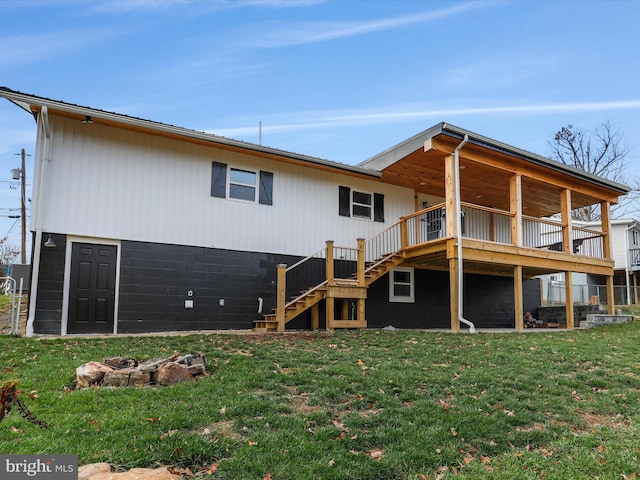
(281, 298)
(330, 304)
(453, 295)
(330, 314)
(611, 299)
(515, 200)
(568, 295)
(605, 219)
(361, 310)
(361, 262)
(329, 263)
(565, 206)
(404, 233)
(450, 196)
(315, 317)
(517, 297)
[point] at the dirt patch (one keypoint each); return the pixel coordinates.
(593, 420)
(300, 402)
(221, 430)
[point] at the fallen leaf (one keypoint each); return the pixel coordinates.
(332, 462)
(453, 432)
(181, 471)
(156, 419)
(170, 433)
(252, 443)
(267, 477)
(376, 453)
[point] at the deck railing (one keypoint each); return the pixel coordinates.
(634, 257)
(424, 226)
(542, 233)
(588, 242)
(484, 223)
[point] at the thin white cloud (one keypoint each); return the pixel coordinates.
(336, 119)
(314, 32)
(24, 49)
(277, 3)
(129, 6)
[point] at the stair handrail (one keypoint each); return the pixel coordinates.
(305, 293)
(391, 237)
(300, 262)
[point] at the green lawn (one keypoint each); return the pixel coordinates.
(349, 405)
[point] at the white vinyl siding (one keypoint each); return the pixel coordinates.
(112, 183)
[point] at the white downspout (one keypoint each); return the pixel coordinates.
(35, 219)
(627, 265)
(458, 212)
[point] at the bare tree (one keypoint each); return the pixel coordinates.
(8, 253)
(604, 153)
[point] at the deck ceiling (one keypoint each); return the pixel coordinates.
(485, 177)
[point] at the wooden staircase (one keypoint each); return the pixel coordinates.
(331, 289)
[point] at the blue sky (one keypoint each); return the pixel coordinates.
(336, 79)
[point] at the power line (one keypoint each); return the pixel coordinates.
(11, 229)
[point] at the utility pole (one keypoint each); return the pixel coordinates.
(23, 207)
(23, 211)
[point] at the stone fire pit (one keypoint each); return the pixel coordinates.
(122, 371)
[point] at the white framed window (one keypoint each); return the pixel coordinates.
(401, 287)
(635, 238)
(239, 184)
(242, 184)
(361, 205)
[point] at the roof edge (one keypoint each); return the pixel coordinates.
(25, 101)
(391, 155)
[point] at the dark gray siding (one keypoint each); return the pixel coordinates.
(155, 280)
(50, 286)
(488, 302)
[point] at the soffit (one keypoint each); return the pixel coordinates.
(485, 176)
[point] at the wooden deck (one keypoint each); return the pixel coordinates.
(414, 244)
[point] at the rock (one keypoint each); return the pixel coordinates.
(191, 359)
(117, 378)
(138, 377)
(91, 373)
(135, 474)
(120, 362)
(171, 373)
(85, 472)
(196, 370)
